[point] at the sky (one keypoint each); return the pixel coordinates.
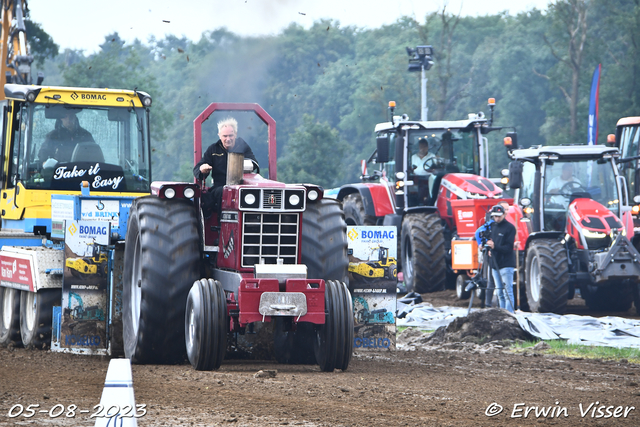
(83, 24)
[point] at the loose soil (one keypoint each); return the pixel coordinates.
(453, 380)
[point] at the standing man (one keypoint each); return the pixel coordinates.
(503, 236)
(214, 161)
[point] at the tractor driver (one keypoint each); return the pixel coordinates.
(419, 159)
(214, 160)
(557, 185)
(59, 144)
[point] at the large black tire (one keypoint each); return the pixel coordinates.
(10, 317)
(333, 345)
(162, 261)
(423, 253)
(324, 252)
(206, 325)
(616, 297)
(461, 285)
(547, 276)
(324, 241)
(36, 310)
(636, 297)
(353, 208)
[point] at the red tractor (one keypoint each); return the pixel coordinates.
(416, 195)
(574, 227)
(277, 253)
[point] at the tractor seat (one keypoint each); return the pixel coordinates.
(87, 152)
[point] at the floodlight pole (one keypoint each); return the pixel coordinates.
(425, 109)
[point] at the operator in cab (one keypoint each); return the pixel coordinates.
(419, 159)
(214, 161)
(59, 144)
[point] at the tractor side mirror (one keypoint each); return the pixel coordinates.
(511, 141)
(515, 174)
(382, 143)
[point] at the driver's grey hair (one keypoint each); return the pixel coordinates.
(229, 121)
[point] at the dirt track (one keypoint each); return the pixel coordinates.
(452, 384)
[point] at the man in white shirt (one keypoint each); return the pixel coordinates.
(420, 158)
(556, 185)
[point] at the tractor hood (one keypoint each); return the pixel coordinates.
(468, 186)
(591, 224)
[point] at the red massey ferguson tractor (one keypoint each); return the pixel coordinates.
(278, 253)
(427, 199)
(574, 227)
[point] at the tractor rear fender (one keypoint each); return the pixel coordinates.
(376, 199)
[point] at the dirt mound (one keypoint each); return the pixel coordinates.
(481, 326)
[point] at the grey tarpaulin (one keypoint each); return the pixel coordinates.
(603, 331)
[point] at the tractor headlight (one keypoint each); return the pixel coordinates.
(294, 200)
(189, 192)
(593, 234)
(249, 199)
(169, 193)
(313, 195)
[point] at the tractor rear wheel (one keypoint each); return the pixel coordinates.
(36, 309)
(354, 213)
(324, 252)
(333, 345)
(616, 297)
(423, 253)
(547, 276)
(206, 325)
(10, 316)
(161, 263)
(294, 347)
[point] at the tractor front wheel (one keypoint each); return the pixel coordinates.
(461, 284)
(354, 213)
(161, 263)
(10, 316)
(206, 325)
(423, 253)
(547, 276)
(333, 345)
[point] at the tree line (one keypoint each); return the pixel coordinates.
(327, 86)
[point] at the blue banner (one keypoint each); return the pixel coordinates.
(593, 106)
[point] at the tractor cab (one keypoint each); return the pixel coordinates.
(561, 180)
(55, 138)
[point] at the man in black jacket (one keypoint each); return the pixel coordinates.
(60, 142)
(503, 235)
(214, 161)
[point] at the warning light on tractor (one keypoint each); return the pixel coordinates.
(491, 102)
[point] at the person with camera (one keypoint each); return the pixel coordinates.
(503, 256)
(483, 234)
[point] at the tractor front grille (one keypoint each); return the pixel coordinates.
(272, 199)
(269, 236)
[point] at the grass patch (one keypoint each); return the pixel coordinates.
(400, 329)
(561, 348)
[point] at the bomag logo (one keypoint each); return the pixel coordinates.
(72, 229)
(93, 97)
(352, 234)
(74, 96)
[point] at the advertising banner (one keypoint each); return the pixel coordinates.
(373, 281)
(84, 288)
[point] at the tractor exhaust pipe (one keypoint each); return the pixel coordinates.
(235, 162)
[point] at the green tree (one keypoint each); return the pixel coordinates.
(313, 155)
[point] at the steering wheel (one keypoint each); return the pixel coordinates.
(570, 187)
(433, 163)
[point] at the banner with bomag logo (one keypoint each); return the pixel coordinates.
(373, 281)
(84, 287)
